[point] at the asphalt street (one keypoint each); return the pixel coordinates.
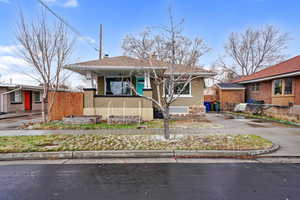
(219, 181)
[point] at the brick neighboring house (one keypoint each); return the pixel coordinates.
(20, 98)
(277, 85)
(108, 93)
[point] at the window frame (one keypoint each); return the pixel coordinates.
(40, 99)
(282, 87)
(124, 77)
(13, 101)
(254, 87)
(181, 95)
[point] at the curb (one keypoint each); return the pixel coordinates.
(134, 154)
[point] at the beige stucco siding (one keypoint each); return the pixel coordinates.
(197, 96)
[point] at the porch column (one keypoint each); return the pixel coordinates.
(147, 108)
(147, 84)
(90, 78)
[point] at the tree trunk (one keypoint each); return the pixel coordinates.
(166, 124)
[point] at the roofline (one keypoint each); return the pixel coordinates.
(204, 74)
(20, 85)
(94, 67)
(270, 77)
(103, 67)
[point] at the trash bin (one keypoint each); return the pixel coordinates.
(217, 106)
(207, 105)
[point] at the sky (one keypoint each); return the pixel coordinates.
(211, 20)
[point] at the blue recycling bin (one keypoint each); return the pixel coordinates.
(207, 105)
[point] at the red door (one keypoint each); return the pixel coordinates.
(27, 100)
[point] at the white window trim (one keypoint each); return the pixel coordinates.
(283, 87)
(180, 95)
(20, 96)
(180, 113)
(105, 77)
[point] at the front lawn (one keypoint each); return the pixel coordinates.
(87, 142)
(151, 124)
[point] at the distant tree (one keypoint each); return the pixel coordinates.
(46, 48)
(254, 49)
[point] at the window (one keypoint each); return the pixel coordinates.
(288, 86)
(283, 86)
(179, 110)
(37, 96)
(254, 87)
(118, 86)
(181, 88)
(277, 87)
(16, 97)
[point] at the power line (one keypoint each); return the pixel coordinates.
(68, 25)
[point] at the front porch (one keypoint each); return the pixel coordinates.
(114, 93)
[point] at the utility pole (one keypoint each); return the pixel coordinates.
(100, 42)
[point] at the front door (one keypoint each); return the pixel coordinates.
(27, 100)
(140, 85)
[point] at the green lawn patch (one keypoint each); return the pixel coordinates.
(87, 142)
(61, 126)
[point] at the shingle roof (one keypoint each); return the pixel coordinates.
(285, 67)
(230, 86)
(123, 61)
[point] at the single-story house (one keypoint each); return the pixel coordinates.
(109, 93)
(20, 98)
(277, 85)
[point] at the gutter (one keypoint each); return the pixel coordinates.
(91, 67)
(271, 77)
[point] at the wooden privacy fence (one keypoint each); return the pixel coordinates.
(65, 104)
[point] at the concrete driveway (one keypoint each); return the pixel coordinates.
(17, 122)
(288, 137)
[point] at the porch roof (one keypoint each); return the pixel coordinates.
(125, 63)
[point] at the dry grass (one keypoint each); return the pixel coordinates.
(86, 142)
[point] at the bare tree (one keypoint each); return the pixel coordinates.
(46, 48)
(254, 49)
(186, 51)
(181, 55)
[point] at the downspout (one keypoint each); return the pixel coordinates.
(2, 97)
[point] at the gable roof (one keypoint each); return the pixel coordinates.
(230, 86)
(288, 67)
(125, 62)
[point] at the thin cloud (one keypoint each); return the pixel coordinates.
(87, 38)
(71, 4)
(63, 3)
(8, 49)
(5, 1)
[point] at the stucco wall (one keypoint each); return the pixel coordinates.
(197, 98)
(119, 106)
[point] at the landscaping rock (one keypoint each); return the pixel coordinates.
(119, 119)
(92, 119)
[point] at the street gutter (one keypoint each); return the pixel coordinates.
(136, 154)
